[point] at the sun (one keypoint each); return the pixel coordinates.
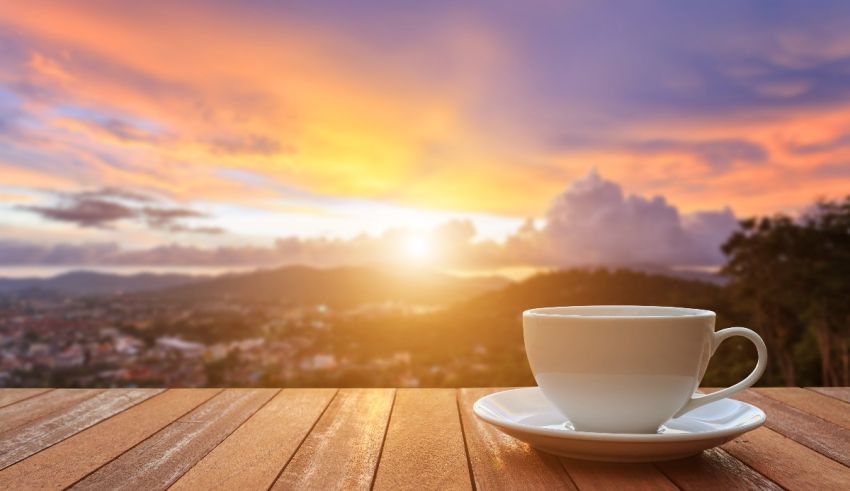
(417, 247)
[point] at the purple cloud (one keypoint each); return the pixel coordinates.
(837, 143)
(85, 212)
(594, 222)
(248, 145)
(106, 207)
(718, 154)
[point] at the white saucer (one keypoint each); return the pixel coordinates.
(527, 415)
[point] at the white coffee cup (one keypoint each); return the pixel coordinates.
(625, 368)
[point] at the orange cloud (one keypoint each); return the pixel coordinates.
(784, 180)
(167, 96)
(336, 127)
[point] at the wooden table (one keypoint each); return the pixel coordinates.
(381, 438)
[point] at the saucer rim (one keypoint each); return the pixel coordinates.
(480, 412)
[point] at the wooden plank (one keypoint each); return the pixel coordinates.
(822, 406)
(842, 393)
(33, 409)
(424, 446)
(788, 463)
(71, 460)
(253, 456)
(11, 396)
(163, 458)
(343, 449)
(714, 469)
(605, 476)
(347, 443)
(22, 442)
(499, 461)
(820, 435)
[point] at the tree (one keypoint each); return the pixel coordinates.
(827, 283)
(763, 266)
(794, 278)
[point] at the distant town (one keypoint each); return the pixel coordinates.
(50, 339)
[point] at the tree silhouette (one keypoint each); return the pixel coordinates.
(827, 284)
(793, 276)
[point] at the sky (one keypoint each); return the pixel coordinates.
(454, 134)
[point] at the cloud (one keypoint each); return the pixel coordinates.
(706, 232)
(593, 222)
(718, 153)
(27, 253)
(112, 193)
(124, 130)
(253, 144)
(85, 212)
(306, 97)
(839, 142)
(106, 207)
(165, 217)
(836, 170)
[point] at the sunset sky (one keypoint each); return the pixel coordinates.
(465, 134)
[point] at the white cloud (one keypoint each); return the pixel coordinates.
(594, 222)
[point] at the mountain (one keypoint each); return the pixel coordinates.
(483, 335)
(340, 287)
(704, 274)
(494, 318)
(595, 286)
(92, 283)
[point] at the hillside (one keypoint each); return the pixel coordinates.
(338, 287)
(92, 283)
(491, 324)
(495, 316)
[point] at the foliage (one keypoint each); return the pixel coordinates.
(793, 279)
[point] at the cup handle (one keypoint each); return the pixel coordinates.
(720, 336)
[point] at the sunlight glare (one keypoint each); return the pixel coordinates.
(417, 247)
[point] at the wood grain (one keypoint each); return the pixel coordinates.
(163, 458)
(605, 476)
(382, 438)
(253, 456)
(24, 441)
(788, 463)
(71, 460)
(499, 461)
(822, 406)
(33, 409)
(424, 446)
(343, 449)
(11, 396)
(819, 435)
(714, 469)
(842, 393)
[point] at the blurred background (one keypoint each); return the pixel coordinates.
(370, 194)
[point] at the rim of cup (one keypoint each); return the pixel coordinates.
(609, 312)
